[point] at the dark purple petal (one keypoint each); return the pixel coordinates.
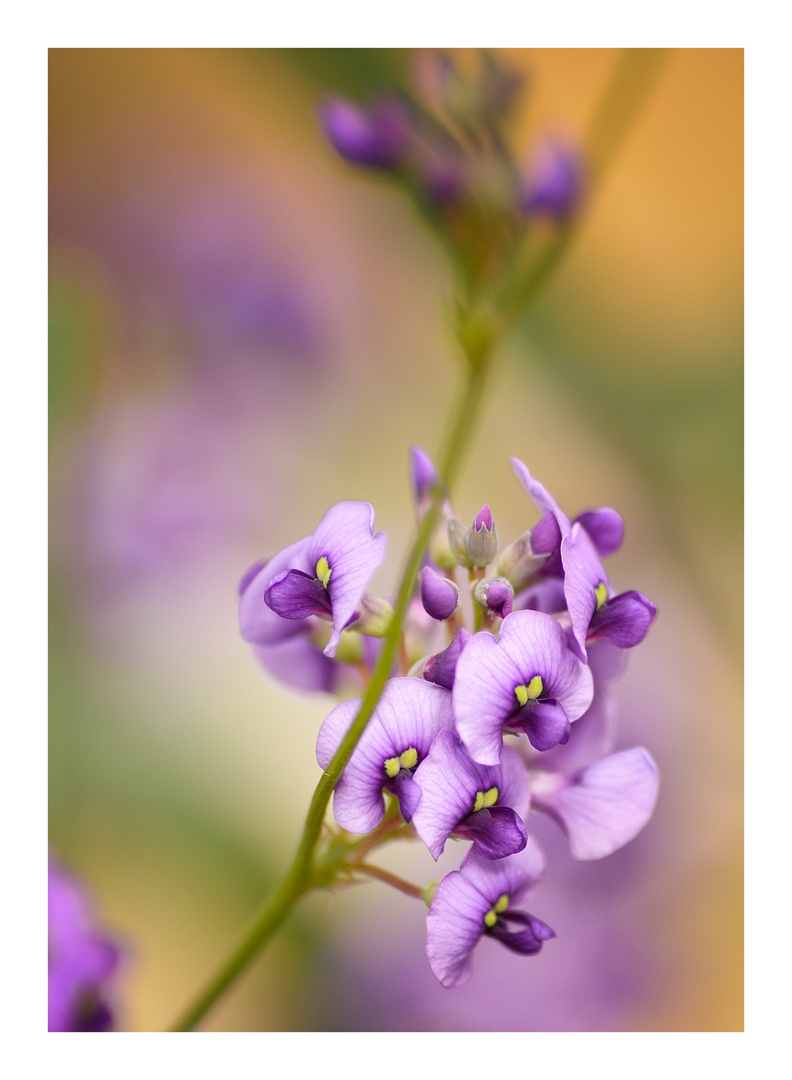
(295, 595)
(528, 939)
(624, 620)
(441, 667)
(495, 595)
(495, 832)
(606, 529)
(408, 793)
(603, 806)
(546, 536)
(376, 137)
(439, 595)
(483, 519)
(544, 722)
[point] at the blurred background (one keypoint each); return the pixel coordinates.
(243, 330)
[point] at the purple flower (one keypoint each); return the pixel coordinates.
(441, 667)
(528, 681)
(424, 477)
(554, 182)
(482, 538)
(82, 960)
(324, 575)
(476, 901)
(483, 803)
(593, 608)
(439, 595)
(377, 137)
(395, 741)
(496, 595)
(603, 805)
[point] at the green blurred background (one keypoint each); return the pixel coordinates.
(243, 330)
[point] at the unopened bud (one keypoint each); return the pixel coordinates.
(495, 594)
(518, 563)
(482, 539)
(374, 617)
(458, 541)
(439, 595)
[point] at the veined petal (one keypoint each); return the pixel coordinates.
(495, 832)
(258, 623)
(344, 537)
(454, 924)
(296, 595)
(529, 939)
(603, 806)
(583, 573)
(483, 695)
(409, 715)
(299, 663)
(515, 875)
(545, 723)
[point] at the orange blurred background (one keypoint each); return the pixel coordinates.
(244, 329)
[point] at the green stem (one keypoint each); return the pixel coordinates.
(388, 879)
(299, 878)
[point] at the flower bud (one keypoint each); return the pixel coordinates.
(519, 563)
(439, 595)
(377, 137)
(495, 594)
(424, 478)
(482, 539)
(457, 539)
(374, 616)
(553, 186)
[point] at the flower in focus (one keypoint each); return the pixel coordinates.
(476, 901)
(487, 804)
(81, 959)
(323, 575)
(528, 681)
(394, 742)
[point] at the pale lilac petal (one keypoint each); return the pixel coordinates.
(410, 713)
(540, 495)
(449, 781)
(624, 620)
(515, 875)
(258, 623)
(605, 527)
(299, 663)
(344, 537)
(603, 806)
(454, 924)
(483, 694)
(583, 572)
(538, 645)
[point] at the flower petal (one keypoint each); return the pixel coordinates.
(624, 620)
(495, 833)
(605, 527)
(603, 806)
(296, 595)
(258, 623)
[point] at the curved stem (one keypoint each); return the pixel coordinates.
(388, 878)
(299, 878)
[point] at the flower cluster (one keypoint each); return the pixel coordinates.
(445, 141)
(82, 960)
(501, 704)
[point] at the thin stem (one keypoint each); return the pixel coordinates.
(388, 878)
(635, 74)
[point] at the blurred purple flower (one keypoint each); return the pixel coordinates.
(377, 136)
(82, 959)
(553, 183)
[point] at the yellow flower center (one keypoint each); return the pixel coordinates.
(485, 799)
(530, 692)
(323, 571)
(406, 760)
(601, 593)
(497, 909)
